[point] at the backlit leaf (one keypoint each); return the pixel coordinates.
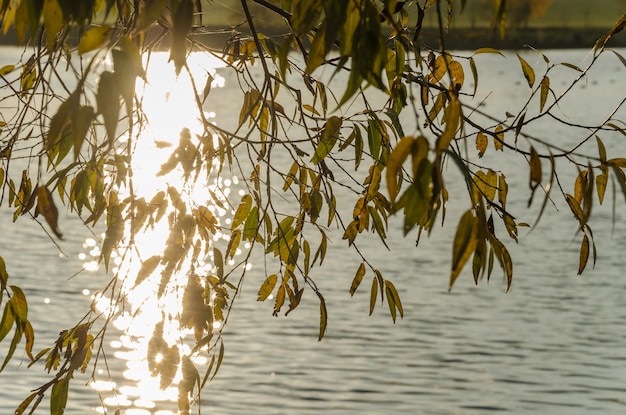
(93, 39)
(147, 268)
(150, 13)
(183, 20)
(47, 208)
(53, 21)
(267, 287)
(108, 100)
(58, 397)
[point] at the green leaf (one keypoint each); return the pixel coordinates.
(150, 13)
(465, 241)
(25, 403)
(267, 287)
(52, 21)
(529, 73)
(58, 397)
(329, 137)
(108, 100)
(6, 323)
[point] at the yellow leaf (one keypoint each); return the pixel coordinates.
(529, 73)
(457, 75)
(7, 69)
(498, 141)
(545, 89)
(93, 39)
(52, 21)
(452, 118)
(580, 185)
(358, 277)
(394, 165)
(267, 287)
(481, 143)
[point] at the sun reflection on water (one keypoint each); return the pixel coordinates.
(170, 111)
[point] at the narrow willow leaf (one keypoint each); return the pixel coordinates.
(52, 21)
(108, 102)
(472, 64)
(6, 323)
(575, 207)
(151, 11)
(535, 173)
(169, 366)
(465, 241)
(617, 162)
(47, 208)
(452, 118)
(218, 262)
(529, 73)
(25, 403)
(183, 22)
(356, 281)
(93, 39)
(328, 139)
(394, 165)
(373, 294)
(392, 293)
(323, 317)
(267, 287)
(147, 268)
(584, 254)
(545, 89)
(580, 185)
(601, 182)
(571, 66)
(243, 211)
(58, 397)
(488, 50)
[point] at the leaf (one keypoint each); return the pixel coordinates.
(393, 299)
(93, 39)
(472, 64)
(488, 50)
(25, 403)
(7, 69)
(243, 211)
(481, 143)
(465, 241)
(147, 268)
(267, 287)
(394, 165)
(6, 323)
(81, 123)
(529, 73)
(535, 173)
(183, 20)
(545, 89)
(452, 118)
(151, 11)
(47, 208)
(457, 75)
(58, 397)
(323, 317)
(498, 140)
(601, 182)
(108, 100)
(52, 21)
(330, 134)
(358, 277)
(584, 254)
(373, 294)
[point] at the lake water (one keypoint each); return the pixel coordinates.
(555, 344)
